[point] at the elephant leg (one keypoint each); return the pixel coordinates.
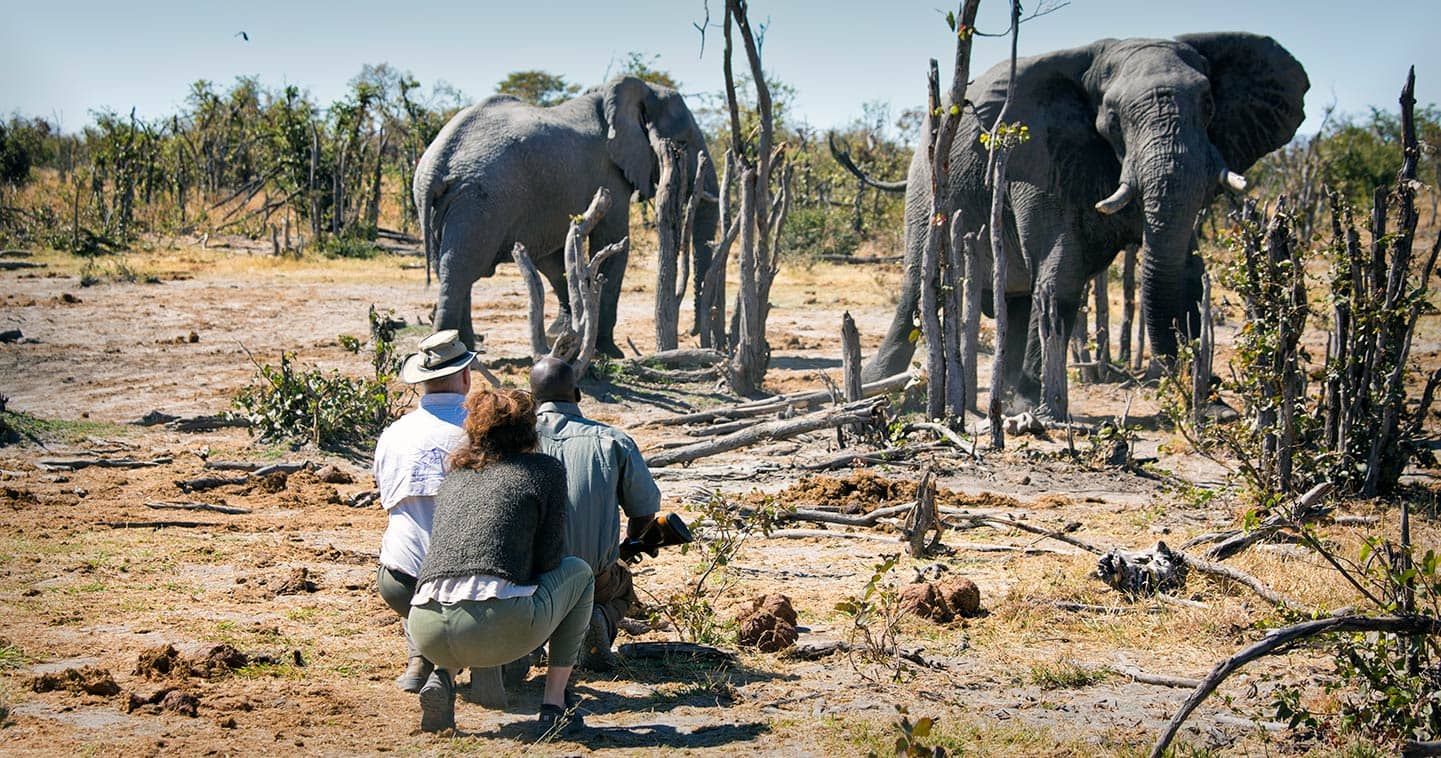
(1058, 297)
(1022, 358)
(552, 267)
(467, 252)
(612, 229)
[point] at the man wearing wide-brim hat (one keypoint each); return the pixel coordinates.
(410, 461)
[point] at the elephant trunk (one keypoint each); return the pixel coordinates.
(1174, 188)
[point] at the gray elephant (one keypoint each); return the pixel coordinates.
(502, 172)
(1150, 128)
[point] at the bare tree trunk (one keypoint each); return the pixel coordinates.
(584, 279)
(1101, 287)
(1080, 340)
(1138, 360)
(311, 189)
(998, 298)
(1201, 363)
(971, 334)
(955, 366)
(533, 286)
(931, 319)
(851, 361)
(669, 199)
(711, 312)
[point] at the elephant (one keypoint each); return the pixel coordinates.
(502, 171)
(1129, 140)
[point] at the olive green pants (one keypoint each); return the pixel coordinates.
(396, 589)
(484, 633)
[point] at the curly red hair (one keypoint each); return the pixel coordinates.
(498, 424)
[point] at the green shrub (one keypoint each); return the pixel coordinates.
(288, 403)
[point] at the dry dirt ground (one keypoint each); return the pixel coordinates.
(91, 576)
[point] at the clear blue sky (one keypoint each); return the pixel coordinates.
(62, 58)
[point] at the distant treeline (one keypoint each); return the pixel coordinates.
(250, 160)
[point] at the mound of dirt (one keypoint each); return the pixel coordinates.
(17, 498)
(942, 601)
(298, 582)
(90, 680)
(165, 662)
(864, 491)
(168, 699)
(305, 488)
(769, 625)
(218, 661)
(160, 662)
(331, 474)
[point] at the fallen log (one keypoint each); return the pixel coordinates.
(1198, 564)
(665, 650)
(766, 431)
(682, 358)
(867, 519)
(1124, 667)
(362, 499)
(206, 423)
(6, 265)
(945, 433)
(800, 534)
(73, 464)
(252, 466)
(159, 524)
(189, 506)
(854, 458)
(200, 484)
(1279, 639)
(794, 401)
(644, 373)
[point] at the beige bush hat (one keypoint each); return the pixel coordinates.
(441, 354)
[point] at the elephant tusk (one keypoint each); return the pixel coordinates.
(708, 197)
(1116, 201)
(1233, 180)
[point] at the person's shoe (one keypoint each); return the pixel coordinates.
(556, 722)
(416, 672)
(437, 702)
(595, 652)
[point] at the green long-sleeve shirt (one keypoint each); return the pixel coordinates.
(604, 473)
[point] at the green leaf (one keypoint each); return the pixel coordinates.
(922, 727)
(951, 19)
(914, 336)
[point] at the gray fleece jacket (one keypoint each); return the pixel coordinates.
(506, 520)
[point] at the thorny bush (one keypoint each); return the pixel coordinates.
(327, 409)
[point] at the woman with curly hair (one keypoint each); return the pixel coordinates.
(497, 582)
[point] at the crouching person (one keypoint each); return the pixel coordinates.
(496, 582)
(605, 474)
(409, 467)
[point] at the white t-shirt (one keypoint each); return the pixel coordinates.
(473, 587)
(410, 462)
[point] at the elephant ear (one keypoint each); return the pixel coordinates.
(628, 106)
(1257, 87)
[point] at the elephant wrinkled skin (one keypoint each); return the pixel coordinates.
(502, 172)
(1130, 140)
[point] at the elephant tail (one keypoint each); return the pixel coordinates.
(427, 225)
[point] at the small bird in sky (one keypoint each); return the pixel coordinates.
(243, 36)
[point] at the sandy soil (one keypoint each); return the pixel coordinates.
(89, 578)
